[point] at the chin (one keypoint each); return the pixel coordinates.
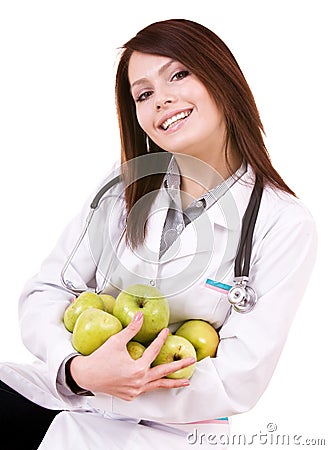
(195, 153)
(175, 144)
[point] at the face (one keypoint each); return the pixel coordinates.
(174, 108)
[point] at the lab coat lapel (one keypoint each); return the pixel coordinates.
(228, 211)
(155, 223)
(224, 216)
(140, 265)
(199, 235)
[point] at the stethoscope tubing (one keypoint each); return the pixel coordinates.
(243, 257)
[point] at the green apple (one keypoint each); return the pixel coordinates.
(151, 302)
(135, 349)
(202, 336)
(174, 349)
(92, 328)
(108, 301)
(85, 300)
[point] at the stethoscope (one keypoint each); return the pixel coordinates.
(241, 296)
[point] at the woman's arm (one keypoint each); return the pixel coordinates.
(44, 299)
(110, 369)
(42, 305)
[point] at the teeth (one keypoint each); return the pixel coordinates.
(174, 119)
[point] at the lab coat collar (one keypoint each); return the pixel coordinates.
(228, 211)
(172, 183)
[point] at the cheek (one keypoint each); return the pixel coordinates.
(143, 118)
(212, 112)
(139, 118)
(203, 99)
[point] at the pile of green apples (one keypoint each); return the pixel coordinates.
(93, 318)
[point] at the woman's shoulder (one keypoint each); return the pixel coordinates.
(112, 180)
(281, 201)
(282, 209)
(276, 204)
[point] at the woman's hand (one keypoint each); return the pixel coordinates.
(111, 370)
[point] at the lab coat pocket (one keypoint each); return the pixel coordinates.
(223, 307)
(215, 304)
(202, 301)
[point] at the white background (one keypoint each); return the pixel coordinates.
(58, 137)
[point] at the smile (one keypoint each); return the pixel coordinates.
(174, 119)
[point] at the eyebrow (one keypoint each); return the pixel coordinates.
(160, 71)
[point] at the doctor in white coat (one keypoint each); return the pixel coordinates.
(192, 150)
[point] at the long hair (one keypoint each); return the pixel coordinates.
(209, 59)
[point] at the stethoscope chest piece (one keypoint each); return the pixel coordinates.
(242, 297)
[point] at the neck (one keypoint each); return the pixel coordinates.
(200, 175)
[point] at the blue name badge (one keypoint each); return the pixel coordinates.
(217, 286)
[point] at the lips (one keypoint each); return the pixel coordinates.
(174, 118)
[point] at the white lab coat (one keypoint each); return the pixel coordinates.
(283, 254)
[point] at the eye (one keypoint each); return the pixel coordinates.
(181, 75)
(143, 96)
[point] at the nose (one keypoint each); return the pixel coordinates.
(162, 103)
(164, 98)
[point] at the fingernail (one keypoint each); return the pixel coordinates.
(186, 383)
(138, 316)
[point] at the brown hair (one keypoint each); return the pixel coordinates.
(208, 58)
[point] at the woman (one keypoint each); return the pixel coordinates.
(192, 151)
